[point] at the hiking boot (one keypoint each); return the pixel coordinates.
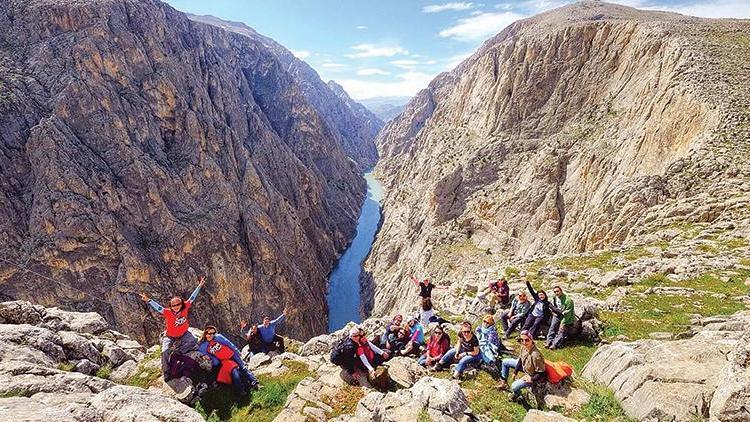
(512, 397)
(456, 376)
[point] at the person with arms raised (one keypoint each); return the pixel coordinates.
(176, 335)
(425, 287)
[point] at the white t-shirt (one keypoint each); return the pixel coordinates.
(424, 317)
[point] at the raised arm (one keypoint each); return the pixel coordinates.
(279, 319)
(201, 283)
(414, 280)
(152, 303)
(532, 292)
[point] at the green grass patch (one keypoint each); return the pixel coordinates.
(707, 248)
(66, 366)
(16, 392)
(734, 243)
(104, 371)
(601, 260)
(423, 416)
(511, 272)
(574, 353)
(147, 375)
(345, 401)
(486, 399)
(221, 404)
(603, 405)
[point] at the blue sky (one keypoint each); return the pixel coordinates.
(395, 47)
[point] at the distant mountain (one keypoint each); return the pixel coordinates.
(355, 126)
(386, 108)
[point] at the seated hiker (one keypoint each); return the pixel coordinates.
(499, 293)
(176, 337)
(438, 344)
(344, 355)
(416, 331)
(391, 330)
(425, 287)
(489, 342)
(270, 341)
(226, 357)
(562, 320)
(400, 344)
(370, 359)
(530, 362)
(539, 312)
(254, 341)
(465, 353)
(516, 314)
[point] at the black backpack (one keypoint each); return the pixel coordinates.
(343, 353)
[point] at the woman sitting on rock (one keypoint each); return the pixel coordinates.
(539, 312)
(438, 344)
(176, 337)
(401, 344)
(391, 330)
(530, 362)
(489, 342)
(254, 340)
(465, 353)
(516, 315)
(225, 356)
(371, 357)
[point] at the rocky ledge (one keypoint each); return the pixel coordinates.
(48, 362)
(706, 376)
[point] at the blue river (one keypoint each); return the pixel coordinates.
(343, 283)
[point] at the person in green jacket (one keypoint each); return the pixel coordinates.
(562, 320)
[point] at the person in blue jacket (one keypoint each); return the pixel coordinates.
(225, 355)
(269, 339)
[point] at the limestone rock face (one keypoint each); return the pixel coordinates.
(141, 149)
(34, 387)
(354, 126)
(705, 375)
(569, 131)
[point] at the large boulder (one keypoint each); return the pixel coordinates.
(441, 395)
(126, 404)
(680, 379)
(41, 339)
(78, 347)
(405, 371)
(80, 322)
(123, 372)
(535, 415)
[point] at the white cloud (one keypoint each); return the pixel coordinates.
(371, 50)
(301, 54)
(372, 71)
(334, 67)
(405, 64)
(481, 26)
(404, 84)
(435, 8)
(361, 27)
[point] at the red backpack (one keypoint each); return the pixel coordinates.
(557, 371)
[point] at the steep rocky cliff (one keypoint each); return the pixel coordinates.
(570, 131)
(140, 149)
(354, 126)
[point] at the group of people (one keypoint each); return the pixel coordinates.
(183, 355)
(361, 358)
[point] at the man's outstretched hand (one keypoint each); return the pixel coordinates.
(202, 281)
(144, 297)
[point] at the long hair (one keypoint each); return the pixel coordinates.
(203, 334)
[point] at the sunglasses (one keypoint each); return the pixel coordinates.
(211, 333)
(525, 340)
(174, 305)
(466, 332)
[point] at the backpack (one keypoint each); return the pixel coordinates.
(343, 353)
(557, 371)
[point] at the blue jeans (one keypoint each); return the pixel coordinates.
(423, 360)
(557, 333)
(505, 367)
(463, 363)
(519, 385)
(180, 345)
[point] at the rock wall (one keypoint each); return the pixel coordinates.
(141, 149)
(567, 132)
(353, 125)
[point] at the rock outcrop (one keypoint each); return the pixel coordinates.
(38, 344)
(570, 131)
(354, 126)
(705, 376)
(141, 149)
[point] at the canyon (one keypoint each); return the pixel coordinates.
(142, 149)
(572, 131)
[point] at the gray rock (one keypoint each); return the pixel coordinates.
(123, 372)
(87, 367)
(534, 415)
(405, 371)
(126, 404)
(257, 360)
(441, 395)
(79, 347)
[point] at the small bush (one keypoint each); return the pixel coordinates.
(104, 371)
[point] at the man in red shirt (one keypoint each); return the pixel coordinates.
(176, 335)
